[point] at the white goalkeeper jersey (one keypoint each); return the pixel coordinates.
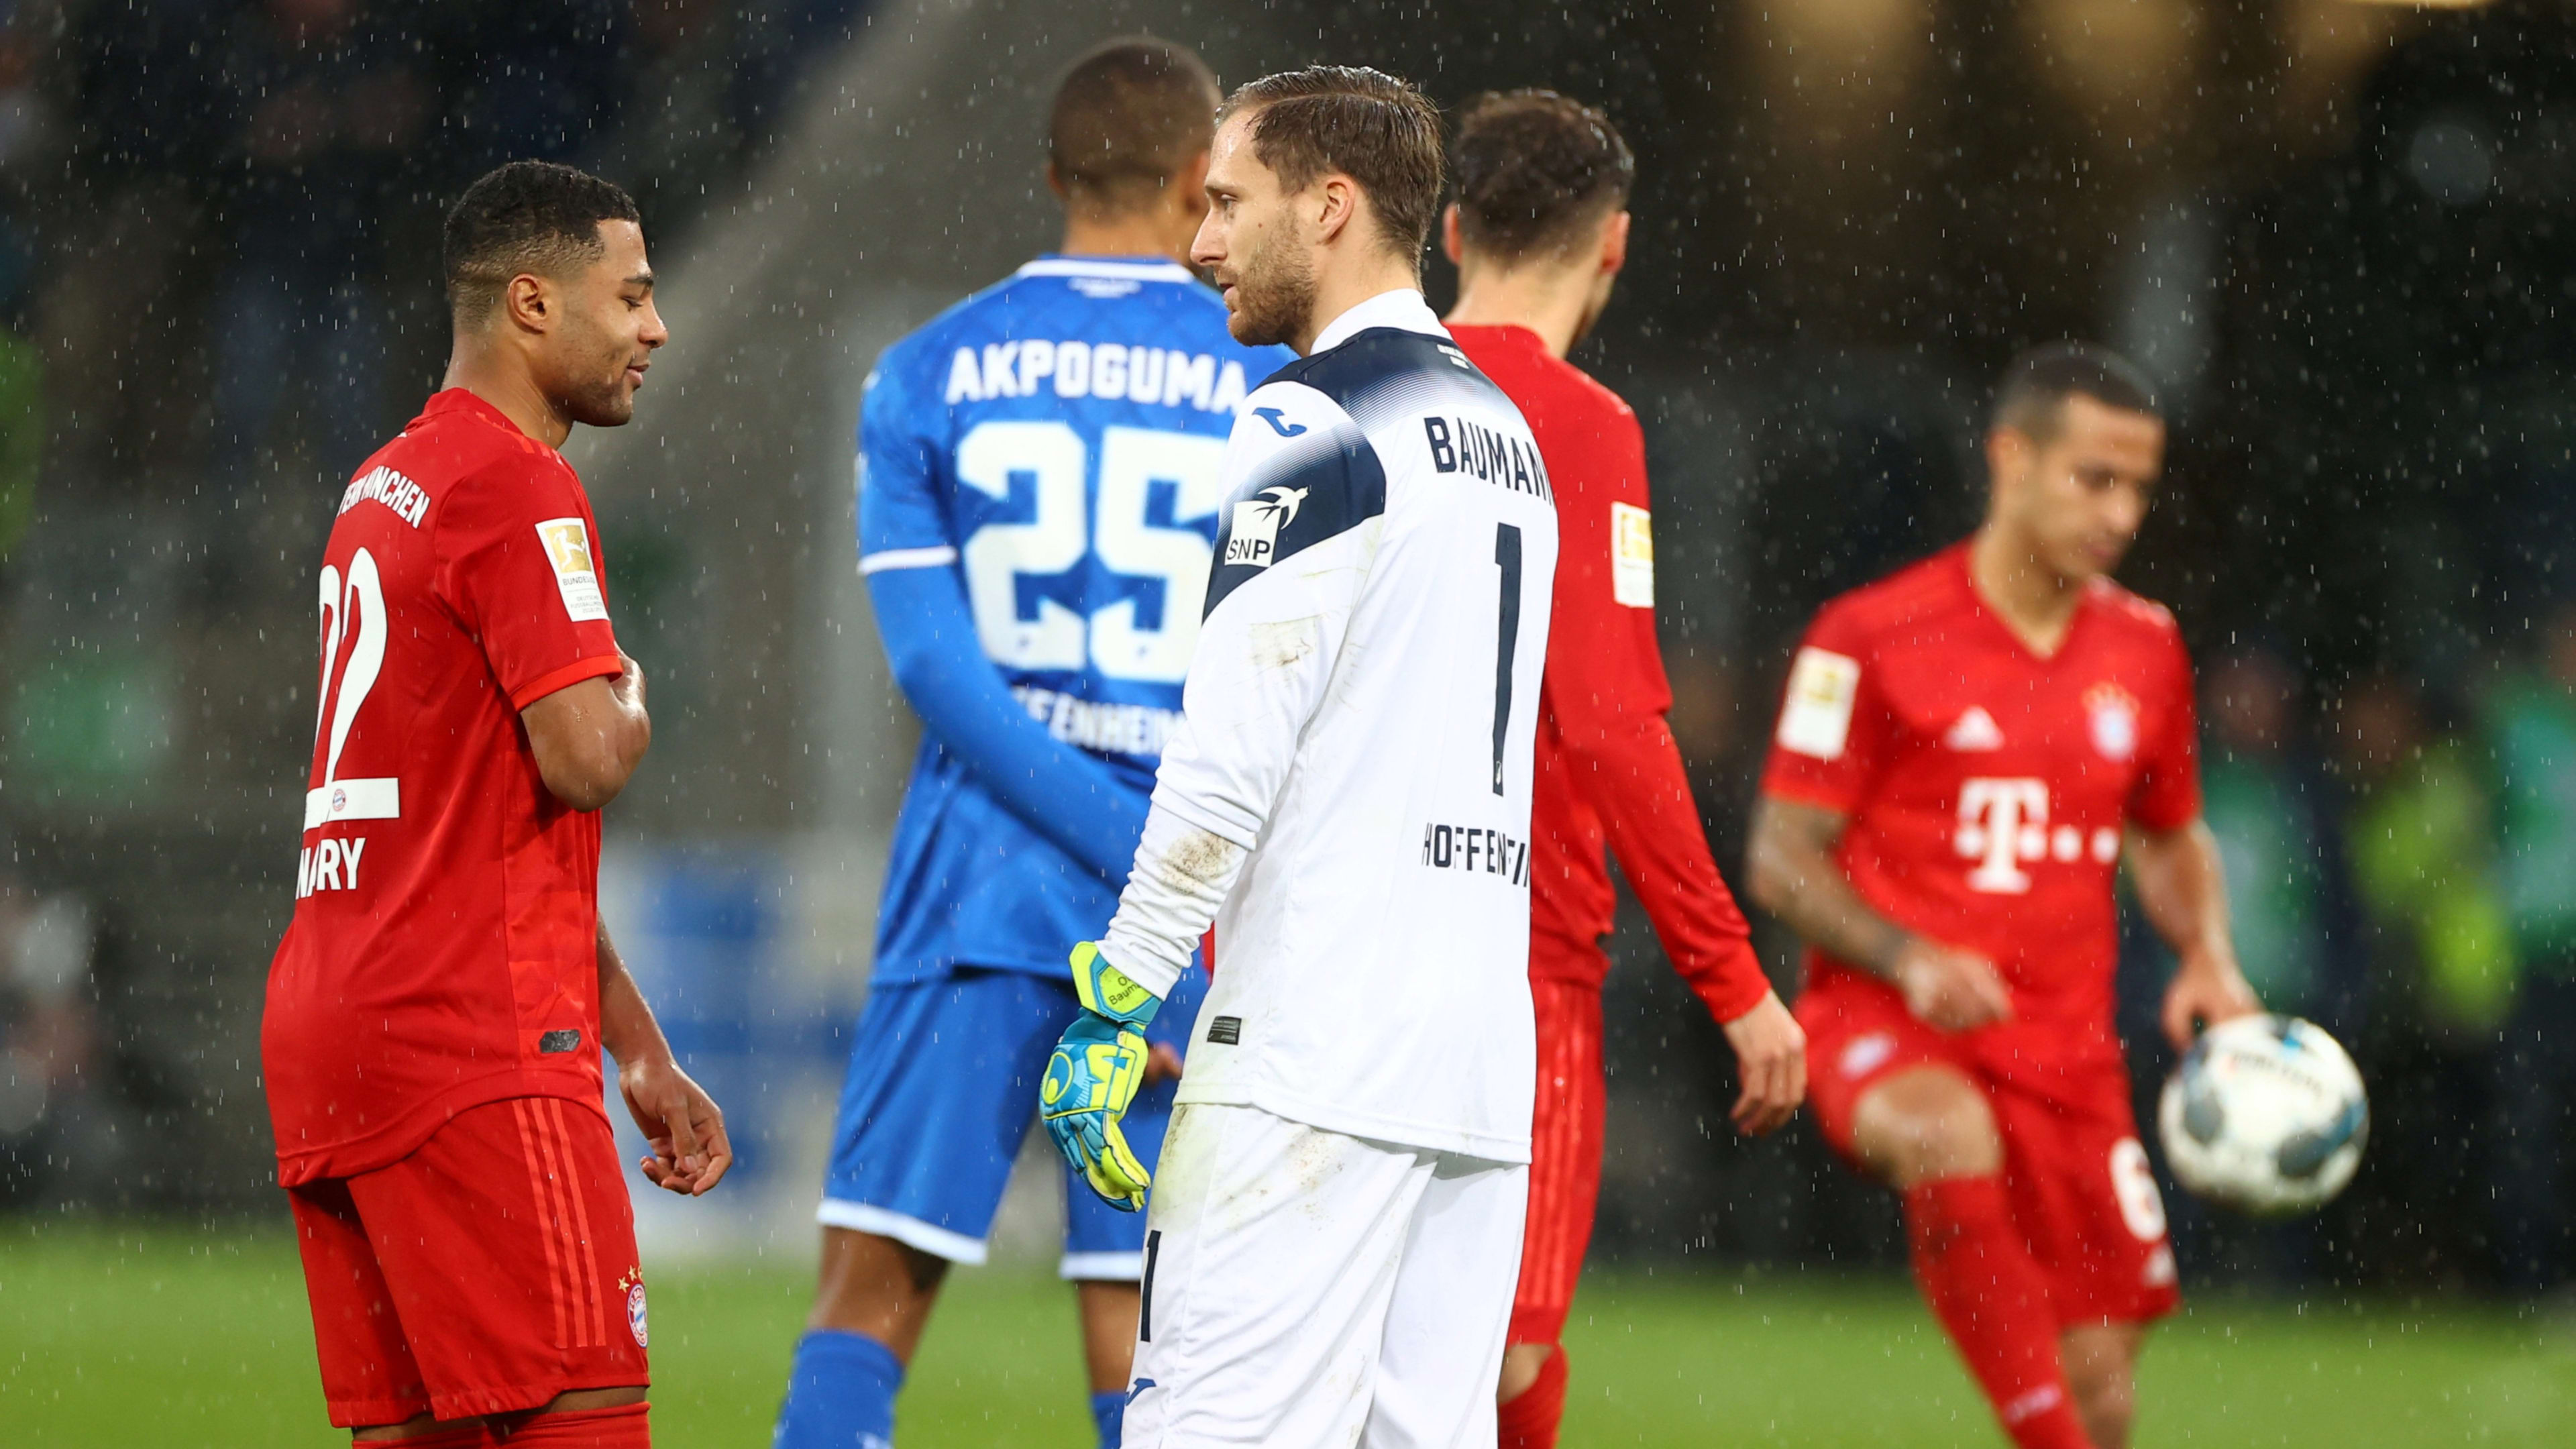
(1351, 774)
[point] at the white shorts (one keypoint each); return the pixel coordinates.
(1303, 1288)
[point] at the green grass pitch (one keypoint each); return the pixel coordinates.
(113, 1338)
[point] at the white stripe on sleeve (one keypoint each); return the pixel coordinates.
(937, 556)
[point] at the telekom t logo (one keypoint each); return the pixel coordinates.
(2001, 824)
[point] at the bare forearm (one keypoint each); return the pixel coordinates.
(2183, 890)
(626, 1024)
(589, 737)
(1795, 877)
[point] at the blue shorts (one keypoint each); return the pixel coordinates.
(942, 1089)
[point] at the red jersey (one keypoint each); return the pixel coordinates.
(1608, 773)
(443, 951)
(1986, 787)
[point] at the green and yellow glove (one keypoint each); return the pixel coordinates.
(1093, 1076)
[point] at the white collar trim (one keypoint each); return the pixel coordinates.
(1404, 308)
(1091, 267)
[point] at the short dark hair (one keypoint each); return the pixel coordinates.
(2031, 399)
(1129, 114)
(1366, 124)
(527, 216)
(1532, 166)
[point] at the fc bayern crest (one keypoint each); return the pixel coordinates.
(2111, 717)
(635, 1312)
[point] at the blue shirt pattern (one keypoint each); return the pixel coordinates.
(1039, 496)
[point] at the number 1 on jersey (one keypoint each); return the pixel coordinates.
(1507, 638)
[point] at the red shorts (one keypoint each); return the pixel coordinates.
(1565, 1158)
(489, 1271)
(2082, 1191)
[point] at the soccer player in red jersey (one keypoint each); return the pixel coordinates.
(1539, 232)
(436, 1011)
(1967, 750)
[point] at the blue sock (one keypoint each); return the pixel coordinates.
(840, 1394)
(1107, 1410)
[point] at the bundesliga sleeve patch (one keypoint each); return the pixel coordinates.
(1817, 717)
(567, 542)
(1632, 556)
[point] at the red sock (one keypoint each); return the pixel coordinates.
(1987, 1291)
(623, 1427)
(1529, 1419)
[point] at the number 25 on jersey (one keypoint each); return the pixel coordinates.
(1122, 534)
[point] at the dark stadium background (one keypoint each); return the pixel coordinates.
(2342, 236)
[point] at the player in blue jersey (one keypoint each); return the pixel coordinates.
(1038, 500)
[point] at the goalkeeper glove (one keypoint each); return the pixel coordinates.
(1094, 1074)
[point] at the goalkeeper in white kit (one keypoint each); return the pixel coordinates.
(1336, 1227)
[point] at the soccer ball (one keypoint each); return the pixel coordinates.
(2266, 1114)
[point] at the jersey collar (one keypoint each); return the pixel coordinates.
(1965, 580)
(1139, 269)
(466, 400)
(1402, 309)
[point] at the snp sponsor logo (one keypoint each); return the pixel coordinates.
(2003, 826)
(1253, 542)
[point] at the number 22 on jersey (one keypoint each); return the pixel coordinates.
(1121, 533)
(353, 656)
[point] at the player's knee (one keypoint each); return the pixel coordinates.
(2099, 1373)
(867, 1278)
(2107, 1402)
(1926, 1124)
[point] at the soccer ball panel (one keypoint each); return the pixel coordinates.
(2265, 1114)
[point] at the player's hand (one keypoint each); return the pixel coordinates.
(681, 1123)
(628, 687)
(1162, 1063)
(1950, 989)
(1771, 1059)
(2207, 990)
(1093, 1076)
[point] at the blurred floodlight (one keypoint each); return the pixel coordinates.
(2121, 59)
(1841, 68)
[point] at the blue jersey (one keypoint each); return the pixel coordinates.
(1038, 500)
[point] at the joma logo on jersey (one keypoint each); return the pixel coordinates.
(1253, 542)
(2003, 825)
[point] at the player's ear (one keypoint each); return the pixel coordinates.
(2007, 456)
(1336, 202)
(529, 303)
(1055, 183)
(1191, 182)
(1614, 241)
(1450, 246)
